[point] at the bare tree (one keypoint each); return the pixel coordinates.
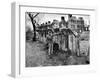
(33, 23)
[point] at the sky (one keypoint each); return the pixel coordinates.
(45, 17)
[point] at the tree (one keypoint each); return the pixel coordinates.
(33, 23)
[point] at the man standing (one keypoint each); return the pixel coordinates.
(49, 42)
(63, 23)
(64, 39)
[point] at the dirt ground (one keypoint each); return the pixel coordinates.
(36, 55)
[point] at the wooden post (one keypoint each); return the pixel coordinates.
(72, 44)
(67, 41)
(78, 46)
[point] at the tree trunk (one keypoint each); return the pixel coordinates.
(34, 27)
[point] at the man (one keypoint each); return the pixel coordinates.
(63, 23)
(49, 42)
(64, 39)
